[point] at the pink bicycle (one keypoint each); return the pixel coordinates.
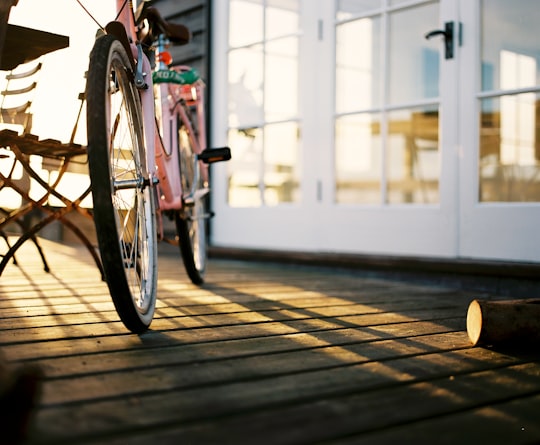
(147, 156)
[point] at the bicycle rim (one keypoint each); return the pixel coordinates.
(191, 221)
(124, 208)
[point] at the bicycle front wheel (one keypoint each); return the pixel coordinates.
(191, 221)
(124, 207)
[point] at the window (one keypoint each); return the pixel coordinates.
(509, 158)
(387, 103)
(264, 121)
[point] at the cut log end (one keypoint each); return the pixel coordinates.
(497, 322)
(474, 322)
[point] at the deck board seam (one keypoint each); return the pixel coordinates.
(300, 399)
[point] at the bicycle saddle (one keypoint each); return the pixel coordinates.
(176, 33)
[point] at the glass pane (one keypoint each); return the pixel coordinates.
(510, 44)
(414, 61)
(510, 149)
(413, 162)
(282, 18)
(281, 173)
(245, 168)
(358, 68)
(245, 87)
(358, 159)
(246, 18)
(281, 79)
(349, 8)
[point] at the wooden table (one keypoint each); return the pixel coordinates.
(17, 50)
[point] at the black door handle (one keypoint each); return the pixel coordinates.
(448, 34)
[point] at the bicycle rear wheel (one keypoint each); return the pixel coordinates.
(124, 207)
(191, 221)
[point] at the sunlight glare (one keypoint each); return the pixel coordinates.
(56, 101)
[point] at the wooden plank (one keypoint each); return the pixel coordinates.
(179, 354)
(155, 340)
(206, 368)
(509, 422)
(316, 401)
(87, 312)
(23, 44)
(31, 145)
(207, 303)
(255, 324)
(12, 309)
(513, 421)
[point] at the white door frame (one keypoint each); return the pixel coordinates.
(456, 227)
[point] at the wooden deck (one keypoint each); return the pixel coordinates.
(261, 354)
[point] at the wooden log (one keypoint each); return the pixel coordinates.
(497, 322)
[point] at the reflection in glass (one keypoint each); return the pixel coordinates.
(263, 102)
(281, 171)
(245, 87)
(509, 164)
(245, 22)
(510, 50)
(282, 18)
(358, 159)
(349, 8)
(264, 168)
(245, 168)
(281, 79)
(414, 61)
(413, 161)
(358, 66)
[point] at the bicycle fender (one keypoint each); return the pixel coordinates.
(118, 30)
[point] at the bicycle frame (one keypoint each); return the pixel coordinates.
(161, 143)
(146, 147)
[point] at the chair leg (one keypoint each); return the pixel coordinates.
(3, 235)
(46, 267)
(26, 227)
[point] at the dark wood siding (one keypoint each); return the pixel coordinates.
(195, 14)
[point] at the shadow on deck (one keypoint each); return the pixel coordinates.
(261, 353)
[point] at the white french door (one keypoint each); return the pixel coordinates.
(500, 168)
(391, 188)
(352, 132)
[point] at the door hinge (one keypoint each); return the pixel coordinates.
(320, 29)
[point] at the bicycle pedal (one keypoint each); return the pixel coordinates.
(211, 155)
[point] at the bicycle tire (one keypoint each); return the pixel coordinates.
(124, 207)
(191, 221)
